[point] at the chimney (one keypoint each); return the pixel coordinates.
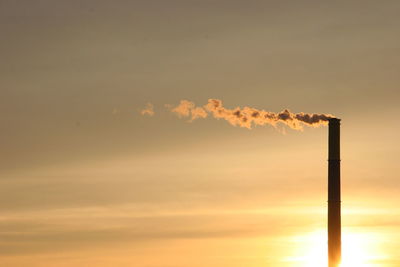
(334, 220)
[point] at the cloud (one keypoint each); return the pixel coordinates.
(28, 234)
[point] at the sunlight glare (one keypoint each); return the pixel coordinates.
(358, 249)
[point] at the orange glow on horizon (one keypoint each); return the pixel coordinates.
(359, 249)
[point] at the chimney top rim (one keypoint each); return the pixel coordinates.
(334, 120)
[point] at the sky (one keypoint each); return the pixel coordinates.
(87, 180)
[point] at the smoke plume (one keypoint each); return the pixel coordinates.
(188, 109)
(148, 110)
(248, 117)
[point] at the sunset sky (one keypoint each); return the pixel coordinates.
(86, 180)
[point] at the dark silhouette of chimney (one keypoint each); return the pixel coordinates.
(334, 220)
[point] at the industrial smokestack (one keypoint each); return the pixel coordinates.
(334, 220)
